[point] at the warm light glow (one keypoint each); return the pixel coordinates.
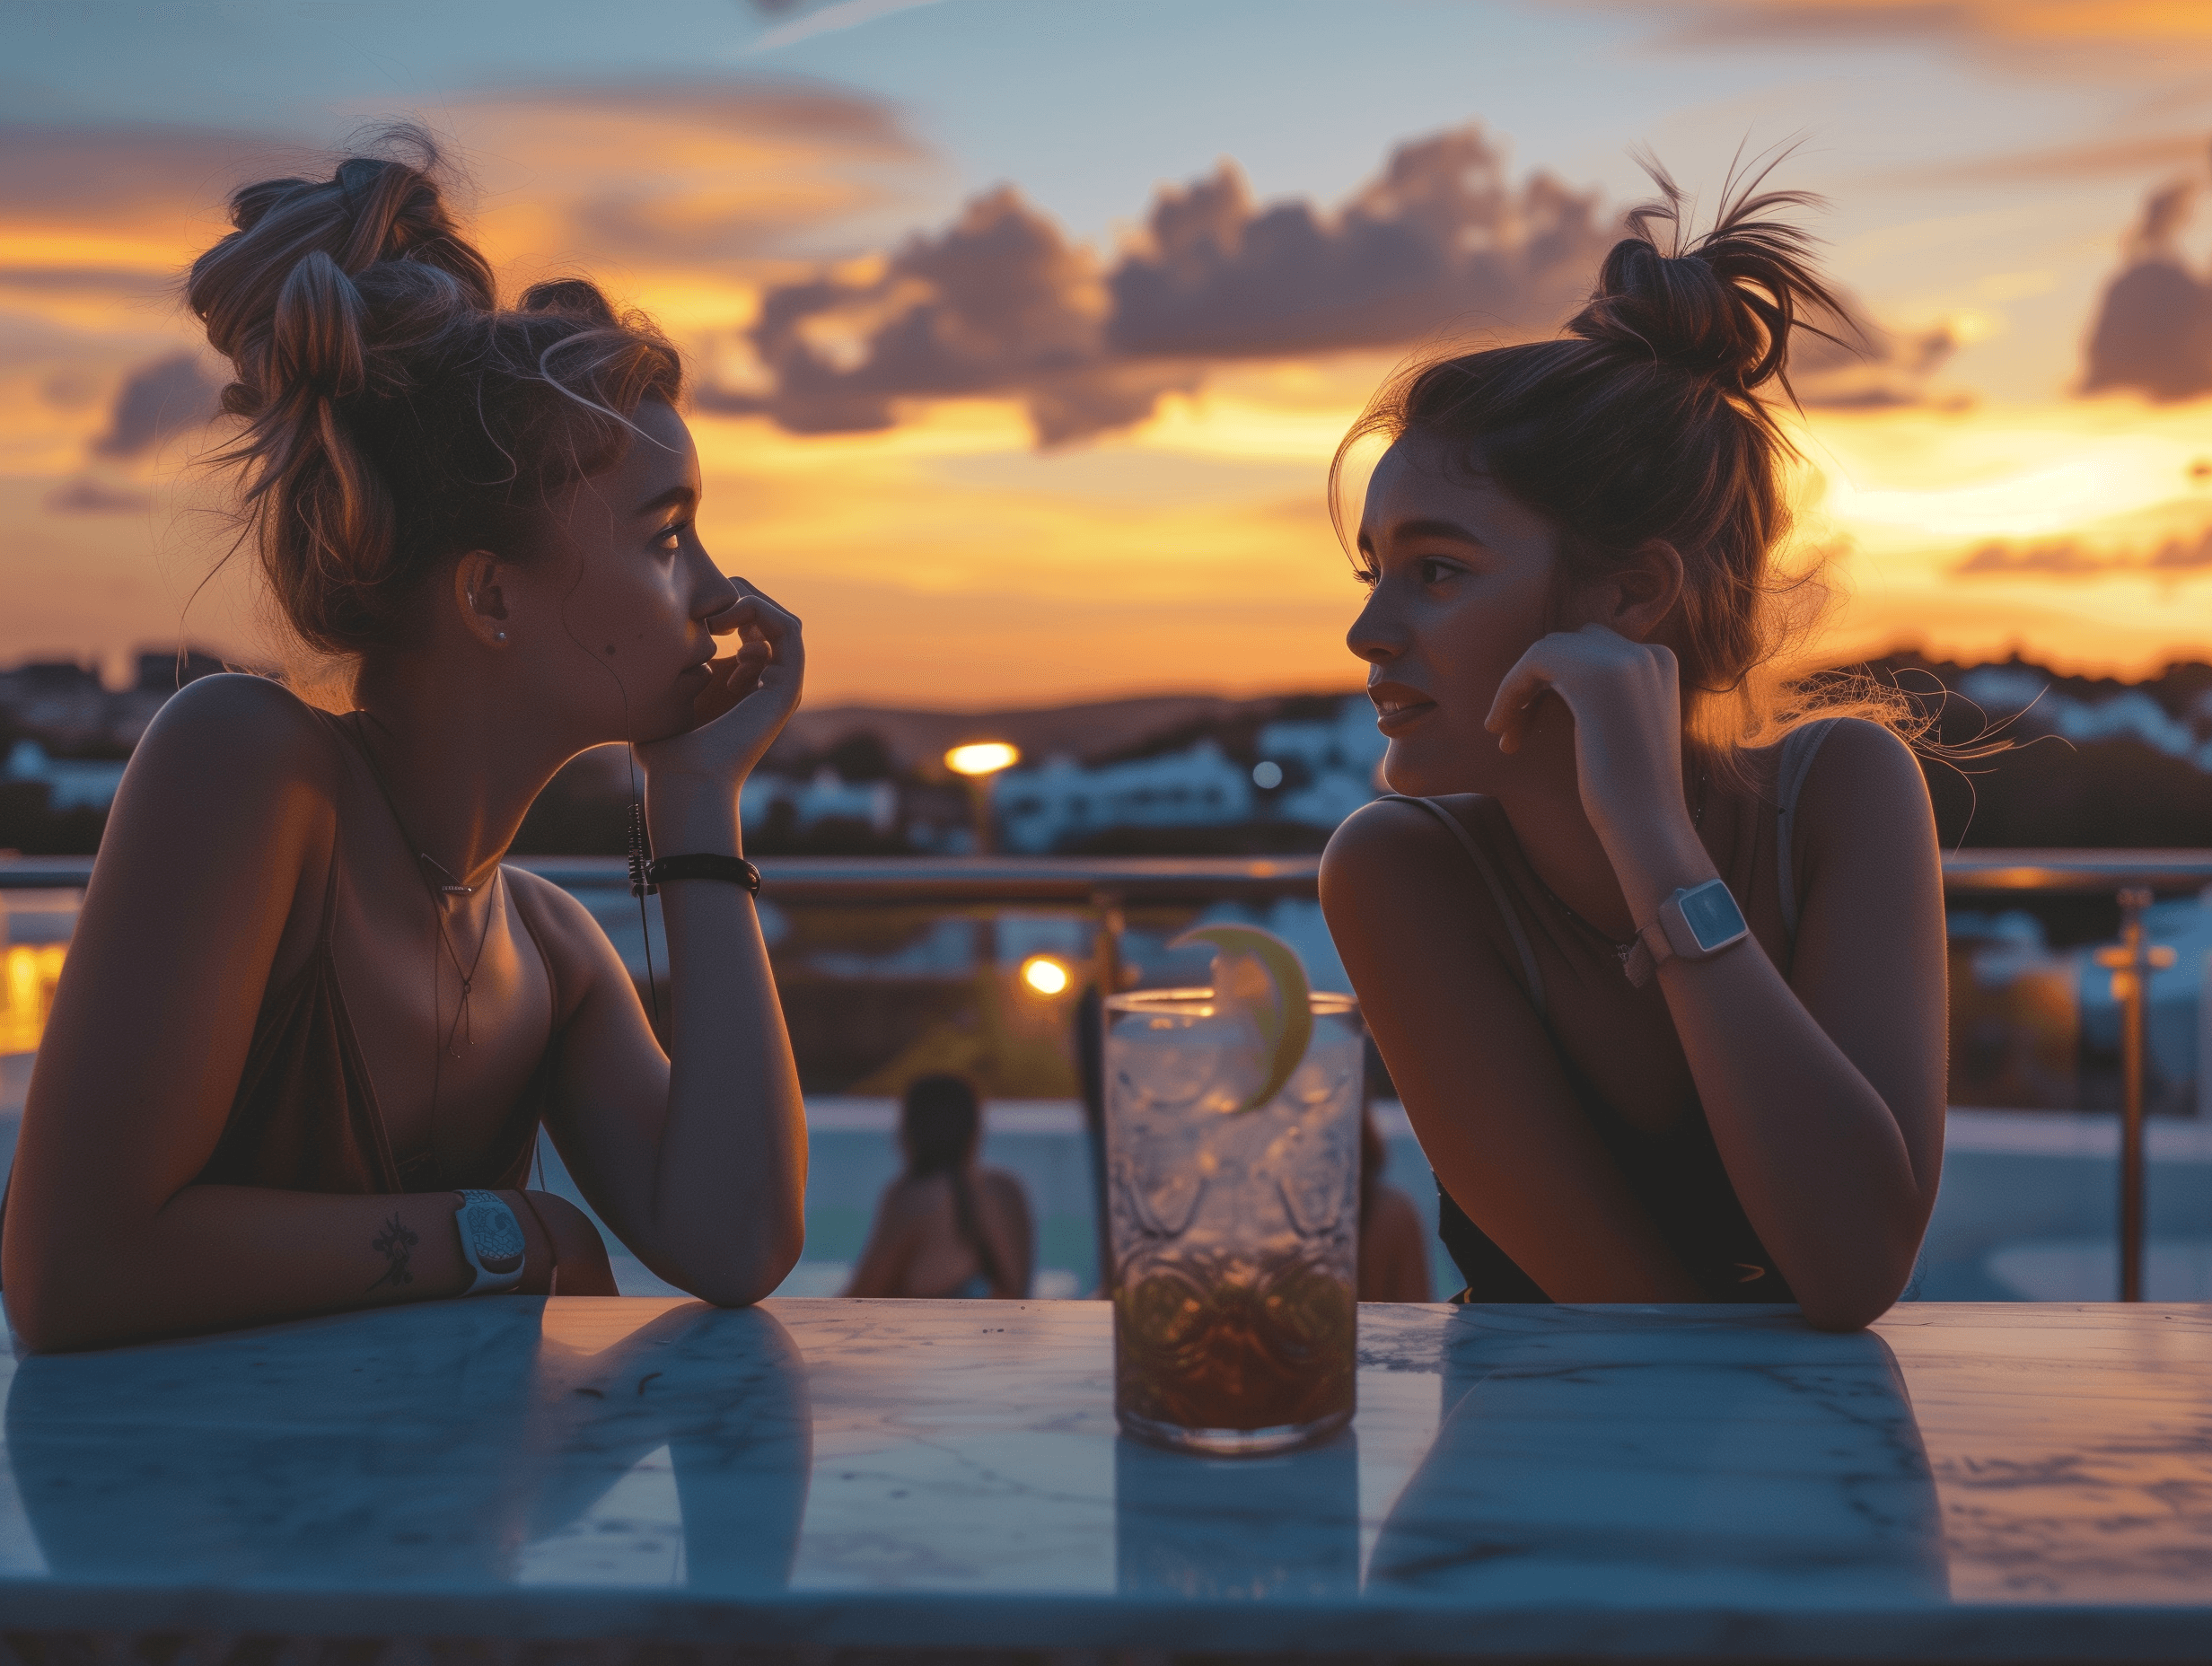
(1044, 974)
(27, 975)
(981, 757)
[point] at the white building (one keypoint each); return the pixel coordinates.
(1332, 765)
(827, 797)
(1039, 808)
(71, 783)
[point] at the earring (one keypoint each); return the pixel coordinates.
(500, 636)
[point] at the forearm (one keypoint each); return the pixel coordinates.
(727, 1216)
(1814, 1152)
(215, 1257)
(729, 1209)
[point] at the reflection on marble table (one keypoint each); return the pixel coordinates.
(2007, 1481)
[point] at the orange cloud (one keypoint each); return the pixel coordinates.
(2057, 23)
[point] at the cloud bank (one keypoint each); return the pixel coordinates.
(1001, 303)
(2065, 558)
(1442, 245)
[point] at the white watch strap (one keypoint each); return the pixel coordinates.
(491, 1241)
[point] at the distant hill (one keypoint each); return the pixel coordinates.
(1089, 732)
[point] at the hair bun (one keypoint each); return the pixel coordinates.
(280, 295)
(315, 337)
(1725, 306)
(575, 298)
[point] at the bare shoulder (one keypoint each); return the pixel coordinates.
(557, 915)
(1006, 1185)
(1386, 846)
(904, 1200)
(235, 776)
(579, 950)
(238, 729)
(1865, 781)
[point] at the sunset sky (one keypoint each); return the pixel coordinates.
(1067, 306)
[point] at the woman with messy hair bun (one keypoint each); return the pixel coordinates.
(1654, 954)
(347, 1019)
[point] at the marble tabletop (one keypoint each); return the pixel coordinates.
(1963, 1482)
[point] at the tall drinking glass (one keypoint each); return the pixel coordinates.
(1234, 1230)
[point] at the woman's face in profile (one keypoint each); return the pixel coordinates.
(625, 581)
(1462, 587)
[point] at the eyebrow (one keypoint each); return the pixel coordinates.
(1430, 528)
(668, 499)
(1437, 528)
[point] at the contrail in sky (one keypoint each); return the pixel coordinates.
(831, 20)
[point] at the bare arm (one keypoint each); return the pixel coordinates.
(224, 820)
(1476, 1069)
(1826, 1099)
(1399, 1261)
(1825, 1091)
(696, 1158)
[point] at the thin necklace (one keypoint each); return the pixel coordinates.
(438, 893)
(1623, 949)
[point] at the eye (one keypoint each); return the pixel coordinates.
(671, 536)
(1435, 569)
(1367, 575)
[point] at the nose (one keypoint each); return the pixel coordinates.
(1377, 636)
(712, 589)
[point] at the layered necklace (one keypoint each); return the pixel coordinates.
(444, 889)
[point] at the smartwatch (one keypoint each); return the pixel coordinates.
(1696, 922)
(491, 1241)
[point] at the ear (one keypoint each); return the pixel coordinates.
(477, 598)
(1638, 596)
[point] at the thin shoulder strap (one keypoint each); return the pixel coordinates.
(1498, 893)
(1799, 747)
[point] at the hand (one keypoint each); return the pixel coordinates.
(693, 778)
(1626, 701)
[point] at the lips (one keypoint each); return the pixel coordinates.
(1398, 708)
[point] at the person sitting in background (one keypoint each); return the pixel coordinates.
(1393, 1250)
(948, 1227)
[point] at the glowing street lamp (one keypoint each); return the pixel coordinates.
(1045, 975)
(980, 762)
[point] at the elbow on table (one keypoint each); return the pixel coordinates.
(740, 1281)
(1853, 1303)
(59, 1315)
(1838, 1315)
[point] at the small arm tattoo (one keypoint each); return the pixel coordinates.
(396, 1243)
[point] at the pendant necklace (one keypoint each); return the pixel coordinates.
(443, 888)
(1622, 950)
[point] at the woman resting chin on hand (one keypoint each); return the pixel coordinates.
(307, 1006)
(1626, 1096)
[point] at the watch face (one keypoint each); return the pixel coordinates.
(494, 1234)
(1712, 915)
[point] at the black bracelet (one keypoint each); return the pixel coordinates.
(730, 869)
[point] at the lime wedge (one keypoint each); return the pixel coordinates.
(1258, 971)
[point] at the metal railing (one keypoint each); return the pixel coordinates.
(1106, 886)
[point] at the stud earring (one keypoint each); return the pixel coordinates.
(501, 635)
